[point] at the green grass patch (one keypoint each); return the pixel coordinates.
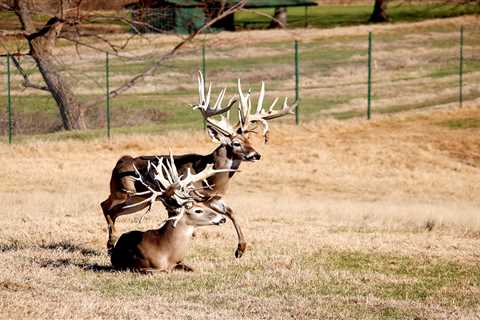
(470, 65)
(33, 103)
(423, 104)
(345, 115)
(405, 278)
(330, 16)
(463, 123)
(311, 107)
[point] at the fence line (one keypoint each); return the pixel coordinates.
(297, 84)
(9, 102)
(369, 98)
(332, 76)
(461, 68)
(107, 93)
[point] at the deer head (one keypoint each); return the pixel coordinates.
(221, 130)
(211, 211)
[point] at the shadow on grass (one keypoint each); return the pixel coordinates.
(70, 247)
(62, 247)
(11, 246)
(63, 263)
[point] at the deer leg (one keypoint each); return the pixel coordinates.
(242, 244)
(117, 210)
(106, 208)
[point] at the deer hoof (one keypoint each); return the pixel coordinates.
(240, 250)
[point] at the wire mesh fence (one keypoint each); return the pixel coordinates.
(410, 70)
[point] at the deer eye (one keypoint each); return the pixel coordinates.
(236, 144)
(198, 211)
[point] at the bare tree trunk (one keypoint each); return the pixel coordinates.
(41, 44)
(379, 13)
(279, 18)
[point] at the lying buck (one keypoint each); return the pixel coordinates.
(234, 148)
(163, 249)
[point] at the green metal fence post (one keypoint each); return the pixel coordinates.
(305, 17)
(107, 93)
(204, 65)
(369, 108)
(461, 69)
(9, 103)
(297, 84)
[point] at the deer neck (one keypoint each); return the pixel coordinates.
(181, 231)
(177, 238)
(224, 159)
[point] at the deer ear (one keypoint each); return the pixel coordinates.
(218, 136)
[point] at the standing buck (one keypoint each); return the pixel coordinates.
(234, 148)
(163, 249)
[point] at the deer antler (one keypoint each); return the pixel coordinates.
(246, 119)
(166, 179)
(260, 115)
(208, 111)
(204, 104)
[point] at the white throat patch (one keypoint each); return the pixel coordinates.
(228, 164)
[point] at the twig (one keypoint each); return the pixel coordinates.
(26, 81)
(150, 70)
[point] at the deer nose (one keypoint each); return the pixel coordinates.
(252, 156)
(222, 221)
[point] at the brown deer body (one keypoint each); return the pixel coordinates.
(163, 249)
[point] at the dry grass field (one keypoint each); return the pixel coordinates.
(345, 220)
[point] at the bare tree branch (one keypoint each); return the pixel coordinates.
(150, 70)
(26, 81)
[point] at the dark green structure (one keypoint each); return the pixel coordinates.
(186, 16)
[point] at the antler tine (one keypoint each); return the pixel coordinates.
(244, 107)
(201, 90)
(260, 98)
(222, 125)
(162, 175)
(207, 99)
(190, 178)
(150, 199)
(260, 114)
(204, 103)
(272, 114)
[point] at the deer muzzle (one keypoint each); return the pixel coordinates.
(253, 156)
(219, 220)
